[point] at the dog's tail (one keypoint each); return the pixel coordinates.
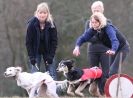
(61, 86)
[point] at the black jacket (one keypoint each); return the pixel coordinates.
(33, 39)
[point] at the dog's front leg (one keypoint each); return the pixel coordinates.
(79, 90)
(69, 90)
(28, 91)
(32, 93)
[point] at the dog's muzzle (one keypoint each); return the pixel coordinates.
(7, 75)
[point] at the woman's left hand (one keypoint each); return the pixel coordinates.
(110, 52)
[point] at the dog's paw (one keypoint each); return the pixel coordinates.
(79, 94)
(71, 93)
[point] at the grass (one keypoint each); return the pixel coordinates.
(45, 97)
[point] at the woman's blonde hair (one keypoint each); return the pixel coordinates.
(98, 3)
(44, 7)
(100, 18)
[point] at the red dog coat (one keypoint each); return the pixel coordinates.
(91, 73)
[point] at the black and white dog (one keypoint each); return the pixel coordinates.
(79, 77)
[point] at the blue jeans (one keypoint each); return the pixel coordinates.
(51, 68)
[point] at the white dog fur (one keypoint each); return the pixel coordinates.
(43, 83)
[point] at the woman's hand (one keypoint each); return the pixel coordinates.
(76, 51)
(110, 52)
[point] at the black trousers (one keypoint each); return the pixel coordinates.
(109, 64)
(100, 60)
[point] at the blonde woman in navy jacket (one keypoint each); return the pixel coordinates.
(41, 39)
(102, 32)
(97, 51)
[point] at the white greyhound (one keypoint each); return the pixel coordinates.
(43, 83)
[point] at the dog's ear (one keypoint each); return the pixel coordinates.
(72, 61)
(69, 63)
(18, 69)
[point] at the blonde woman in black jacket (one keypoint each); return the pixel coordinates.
(41, 39)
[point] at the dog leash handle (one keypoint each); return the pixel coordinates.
(36, 66)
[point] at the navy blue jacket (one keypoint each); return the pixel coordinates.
(107, 36)
(33, 39)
